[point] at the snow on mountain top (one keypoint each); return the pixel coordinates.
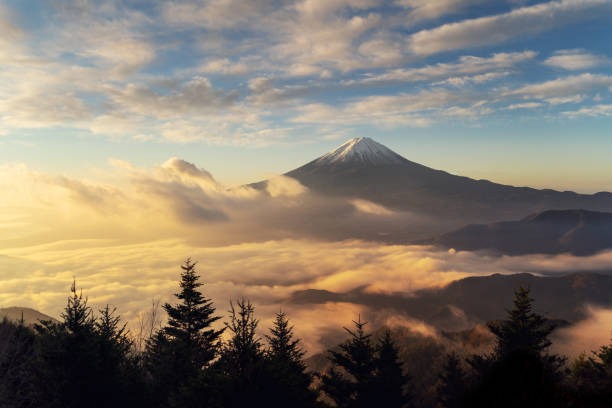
(362, 149)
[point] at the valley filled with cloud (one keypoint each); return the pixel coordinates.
(125, 239)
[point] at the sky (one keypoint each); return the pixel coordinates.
(514, 91)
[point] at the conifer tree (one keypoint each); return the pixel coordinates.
(451, 386)
(190, 321)
(69, 358)
(177, 354)
(390, 381)
(354, 386)
(242, 362)
(523, 329)
(244, 349)
(519, 372)
(287, 368)
(17, 364)
(118, 368)
(590, 382)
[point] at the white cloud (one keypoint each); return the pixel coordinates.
(525, 105)
(593, 111)
(563, 87)
(195, 96)
(575, 60)
(502, 27)
(566, 99)
(223, 66)
(466, 64)
(420, 10)
(476, 79)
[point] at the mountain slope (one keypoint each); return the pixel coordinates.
(579, 232)
(30, 316)
(474, 300)
(363, 168)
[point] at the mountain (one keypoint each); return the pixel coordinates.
(579, 232)
(466, 302)
(30, 316)
(362, 168)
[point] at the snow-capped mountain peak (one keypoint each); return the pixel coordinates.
(363, 150)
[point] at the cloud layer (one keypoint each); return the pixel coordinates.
(230, 73)
(124, 243)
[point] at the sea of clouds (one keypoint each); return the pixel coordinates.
(124, 236)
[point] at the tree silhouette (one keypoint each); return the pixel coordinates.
(354, 385)
(17, 363)
(83, 361)
(177, 354)
(523, 329)
(190, 321)
(452, 383)
(518, 372)
(242, 364)
(287, 368)
(390, 381)
(590, 382)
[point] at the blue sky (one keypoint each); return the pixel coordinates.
(514, 91)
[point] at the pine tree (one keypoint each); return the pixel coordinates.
(118, 368)
(452, 383)
(287, 368)
(190, 321)
(281, 343)
(390, 381)
(244, 348)
(68, 358)
(77, 316)
(518, 372)
(354, 385)
(242, 361)
(177, 354)
(523, 329)
(17, 364)
(590, 382)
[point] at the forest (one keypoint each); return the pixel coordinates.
(90, 359)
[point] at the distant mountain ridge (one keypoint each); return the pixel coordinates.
(474, 300)
(363, 168)
(30, 316)
(579, 232)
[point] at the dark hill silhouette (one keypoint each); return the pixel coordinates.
(579, 232)
(363, 168)
(30, 316)
(474, 300)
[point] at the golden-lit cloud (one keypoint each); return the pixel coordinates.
(124, 241)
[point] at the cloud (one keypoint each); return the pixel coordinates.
(389, 111)
(525, 105)
(591, 111)
(502, 27)
(264, 244)
(586, 336)
(475, 79)
(421, 10)
(223, 66)
(563, 87)
(575, 60)
(466, 64)
(195, 96)
(567, 99)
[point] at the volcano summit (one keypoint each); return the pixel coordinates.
(362, 168)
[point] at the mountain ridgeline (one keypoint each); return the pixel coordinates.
(362, 168)
(578, 232)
